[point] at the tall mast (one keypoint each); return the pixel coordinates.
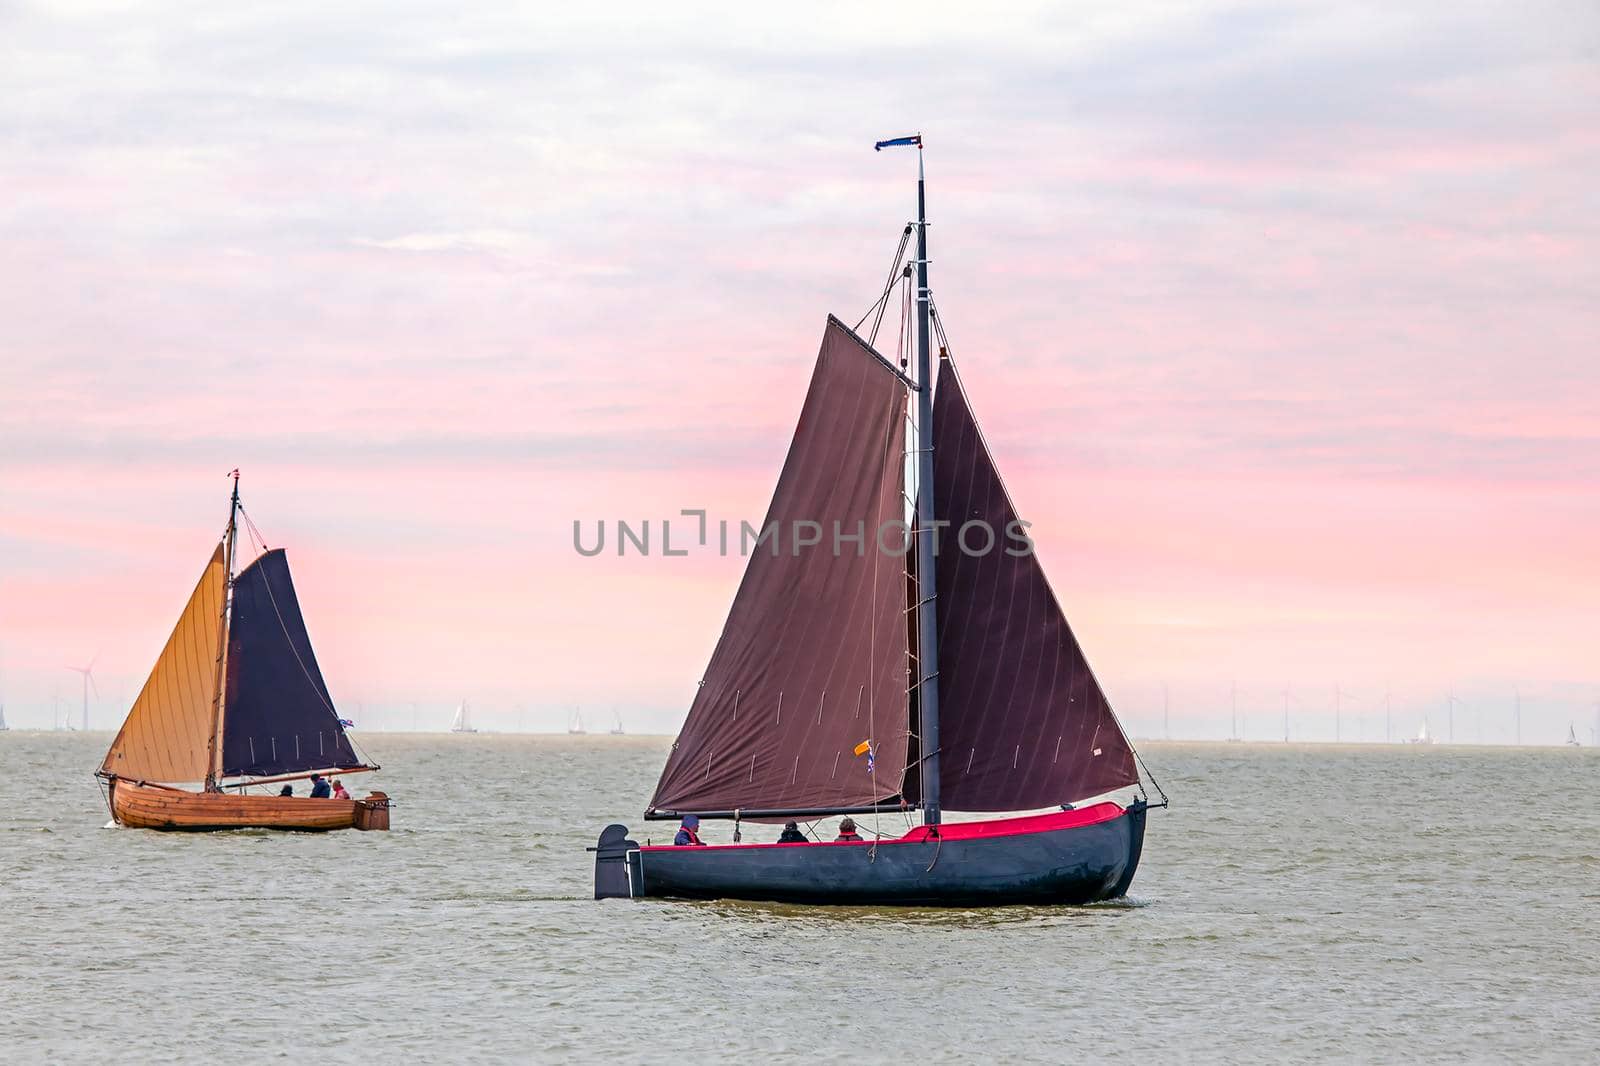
(219, 698)
(927, 583)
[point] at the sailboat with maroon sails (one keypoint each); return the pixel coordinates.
(857, 676)
(236, 700)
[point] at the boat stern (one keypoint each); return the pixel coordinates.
(372, 813)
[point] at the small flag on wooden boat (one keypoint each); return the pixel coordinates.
(347, 723)
(865, 748)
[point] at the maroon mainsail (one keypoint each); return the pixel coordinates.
(1022, 721)
(812, 659)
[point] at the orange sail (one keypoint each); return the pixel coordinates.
(167, 736)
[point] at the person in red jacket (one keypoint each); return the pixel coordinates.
(688, 832)
(847, 832)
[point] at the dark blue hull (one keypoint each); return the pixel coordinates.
(1065, 863)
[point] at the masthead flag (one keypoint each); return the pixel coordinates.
(895, 142)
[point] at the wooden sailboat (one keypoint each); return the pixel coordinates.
(1572, 736)
(866, 681)
(616, 729)
(461, 723)
(235, 700)
(575, 724)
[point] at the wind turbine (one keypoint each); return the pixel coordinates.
(88, 680)
(1388, 719)
(1166, 711)
(1338, 695)
(1287, 696)
(1233, 693)
(1450, 703)
(1519, 715)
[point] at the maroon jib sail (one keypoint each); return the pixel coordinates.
(1022, 721)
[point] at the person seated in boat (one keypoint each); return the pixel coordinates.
(286, 790)
(338, 790)
(319, 787)
(847, 832)
(791, 834)
(688, 832)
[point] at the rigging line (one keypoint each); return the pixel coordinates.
(257, 538)
(896, 267)
(883, 302)
(903, 345)
(1165, 802)
(888, 287)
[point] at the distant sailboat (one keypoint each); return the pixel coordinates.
(898, 682)
(575, 726)
(1423, 736)
(461, 723)
(3, 727)
(235, 699)
(616, 730)
(1572, 736)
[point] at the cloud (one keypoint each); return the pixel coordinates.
(1341, 245)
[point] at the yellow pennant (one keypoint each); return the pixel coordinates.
(863, 747)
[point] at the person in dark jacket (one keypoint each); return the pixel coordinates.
(791, 834)
(286, 790)
(847, 832)
(319, 787)
(688, 832)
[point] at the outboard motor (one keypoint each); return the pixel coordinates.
(611, 879)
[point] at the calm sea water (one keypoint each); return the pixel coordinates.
(1296, 903)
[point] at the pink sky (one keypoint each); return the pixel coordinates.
(1283, 324)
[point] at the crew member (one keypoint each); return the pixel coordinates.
(688, 831)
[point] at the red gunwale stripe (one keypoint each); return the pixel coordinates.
(999, 827)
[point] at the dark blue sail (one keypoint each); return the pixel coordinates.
(278, 718)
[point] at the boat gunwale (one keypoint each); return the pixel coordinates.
(1023, 825)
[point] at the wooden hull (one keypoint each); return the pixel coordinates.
(1072, 857)
(149, 807)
